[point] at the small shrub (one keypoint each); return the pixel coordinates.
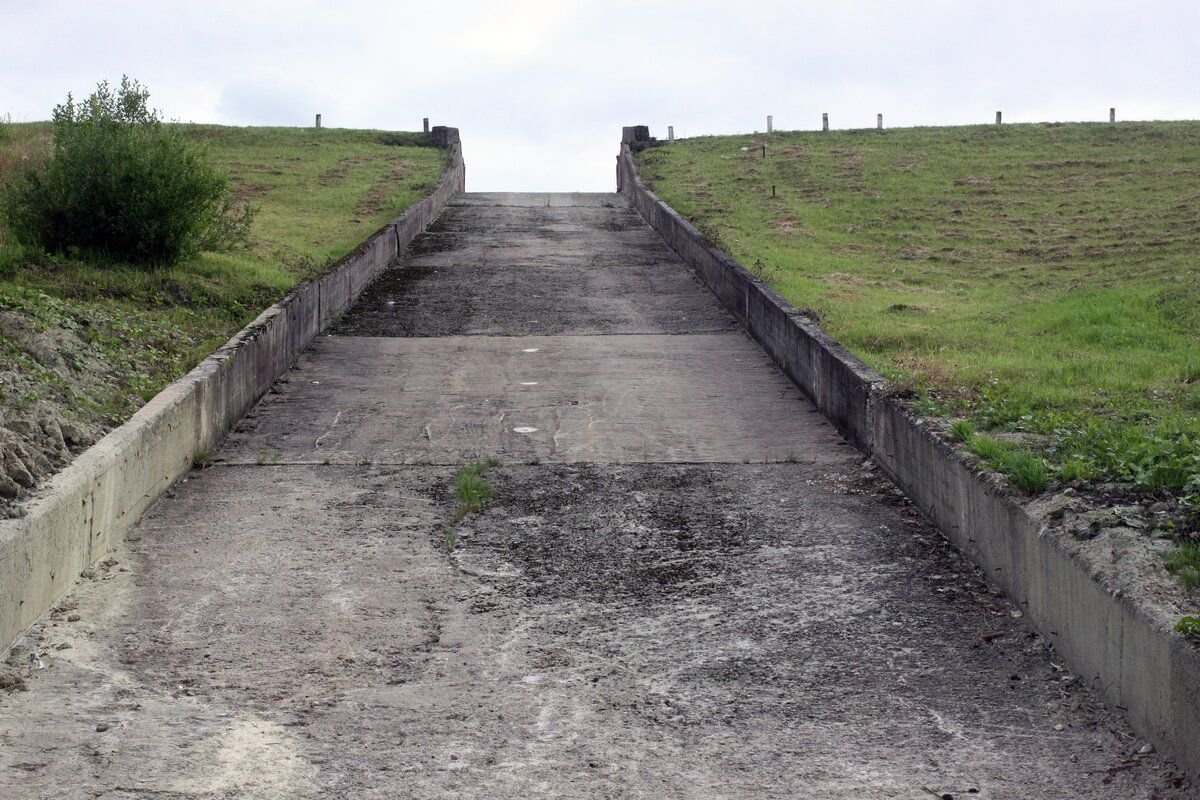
(119, 185)
(961, 430)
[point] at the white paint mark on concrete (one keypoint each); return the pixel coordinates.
(524, 429)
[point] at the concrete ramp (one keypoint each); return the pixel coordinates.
(685, 584)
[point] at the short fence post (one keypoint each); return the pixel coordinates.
(318, 121)
(426, 123)
(770, 123)
(997, 117)
(670, 133)
(1112, 115)
(879, 122)
(824, 122)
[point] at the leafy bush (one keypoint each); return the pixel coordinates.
(120, 185)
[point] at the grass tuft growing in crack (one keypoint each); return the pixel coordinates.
(471, 490)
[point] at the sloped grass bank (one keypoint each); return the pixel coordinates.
(83, 346)
(1038, 282)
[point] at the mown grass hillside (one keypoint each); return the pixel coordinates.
(1040, 282)
(82, 346)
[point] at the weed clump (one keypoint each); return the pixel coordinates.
(961, 430)
(471, 490)
(1025, 470)
(120, 185)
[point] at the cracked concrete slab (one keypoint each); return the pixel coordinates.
(712, 397)
(493, 299)
(558, 271)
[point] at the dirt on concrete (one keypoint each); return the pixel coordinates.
(596, 631)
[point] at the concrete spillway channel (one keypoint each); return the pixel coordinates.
(685, 585)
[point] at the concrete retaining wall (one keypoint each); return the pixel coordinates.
(85, 510)
(1128, 652)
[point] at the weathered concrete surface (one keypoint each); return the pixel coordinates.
(536, 271)
(607, 630)
(709, 397)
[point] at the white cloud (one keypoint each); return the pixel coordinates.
(541, 89)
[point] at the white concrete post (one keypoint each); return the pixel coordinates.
(770, 123)
(425, 122)
(824, 122)
(1112, 115)
(879, 122)
(670, 133)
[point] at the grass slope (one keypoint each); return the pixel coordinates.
(85, 346)
(1039, 281)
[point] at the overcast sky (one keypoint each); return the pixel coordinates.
(541, 89)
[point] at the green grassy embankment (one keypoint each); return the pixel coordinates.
(95, 342)
(1040, 283)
